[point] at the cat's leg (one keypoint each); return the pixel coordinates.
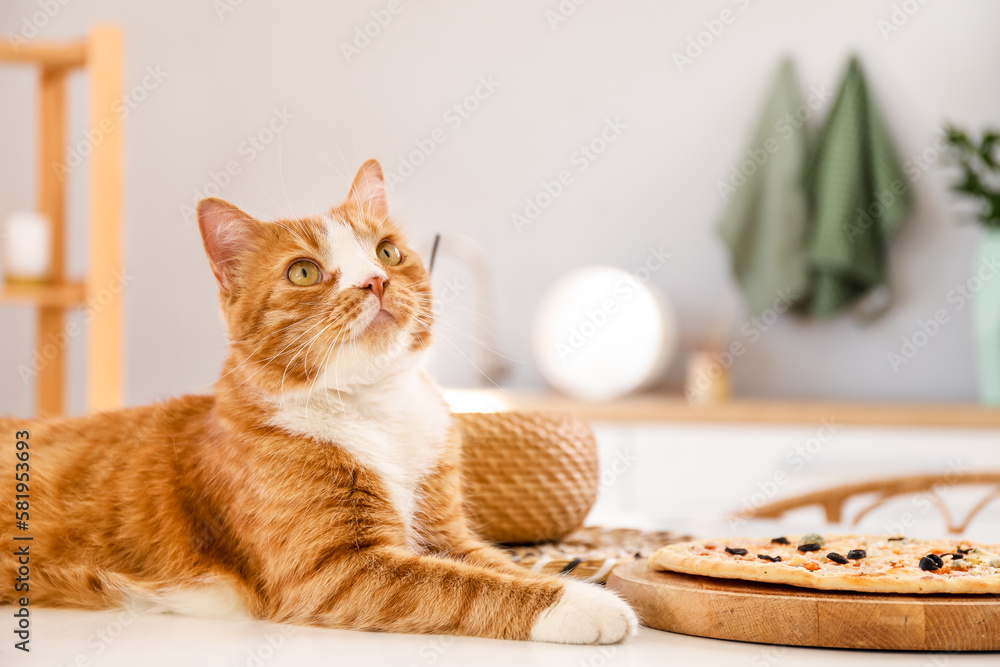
(556, 623)
(445, 530)
(443, 525)
(447, 533)
(394, 590)
(454, 539)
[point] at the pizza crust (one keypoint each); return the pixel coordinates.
(874, 574)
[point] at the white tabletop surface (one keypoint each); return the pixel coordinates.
(61, 638)
(68, 637)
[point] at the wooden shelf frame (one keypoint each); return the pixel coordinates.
(101, 55)
(48, 55)
(67, 294)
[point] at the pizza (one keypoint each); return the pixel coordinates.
(865, 563)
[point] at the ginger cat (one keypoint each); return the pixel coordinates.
(319, 485)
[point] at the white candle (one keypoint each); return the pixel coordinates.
(26, 244)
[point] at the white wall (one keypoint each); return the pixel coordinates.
(655, 185)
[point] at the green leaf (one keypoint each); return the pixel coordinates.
(975, 161)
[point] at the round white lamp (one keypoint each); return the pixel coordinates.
(600, 334)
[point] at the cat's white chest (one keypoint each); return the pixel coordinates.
(397, 430)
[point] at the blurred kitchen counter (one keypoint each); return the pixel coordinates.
(654, 407)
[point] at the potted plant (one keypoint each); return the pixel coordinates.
(979, 181)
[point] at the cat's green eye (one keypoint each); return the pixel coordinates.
(388, 253)
(303, 273)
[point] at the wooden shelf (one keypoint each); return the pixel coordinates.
(47, 55)
(64, 295)
(100, 54)
(674, 408)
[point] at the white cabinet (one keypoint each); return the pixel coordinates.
(689, 477)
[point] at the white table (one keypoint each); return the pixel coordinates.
(690, 475)
(69, 637)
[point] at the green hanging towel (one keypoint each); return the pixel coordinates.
(765, 224)
(859, 197)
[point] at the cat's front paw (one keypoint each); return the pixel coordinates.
(585, 614)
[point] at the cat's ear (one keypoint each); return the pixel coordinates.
(368, 190)
(226, 232)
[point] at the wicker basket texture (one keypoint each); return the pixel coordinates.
(528, 477)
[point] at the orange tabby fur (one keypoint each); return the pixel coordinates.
(236, 496)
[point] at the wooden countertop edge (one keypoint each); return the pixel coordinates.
(674, 408)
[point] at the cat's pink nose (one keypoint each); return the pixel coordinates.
(377, 285)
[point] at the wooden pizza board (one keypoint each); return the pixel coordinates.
(749, 611)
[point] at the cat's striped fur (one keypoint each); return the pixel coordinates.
(318, 485)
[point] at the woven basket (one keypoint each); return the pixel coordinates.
(527, 476)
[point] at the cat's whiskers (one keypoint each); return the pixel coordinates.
(464, 355)
(340, 338)
(491, 347)
(308, 346)
(273, 333)
(330, 164)
(305, 348)
(270, 359)
(336, 379)
(326, 358)
(438, 320)
(281, 179)
(278, 222)
(478, 315)
(305, 244)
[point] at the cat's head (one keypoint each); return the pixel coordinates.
(333, 300)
